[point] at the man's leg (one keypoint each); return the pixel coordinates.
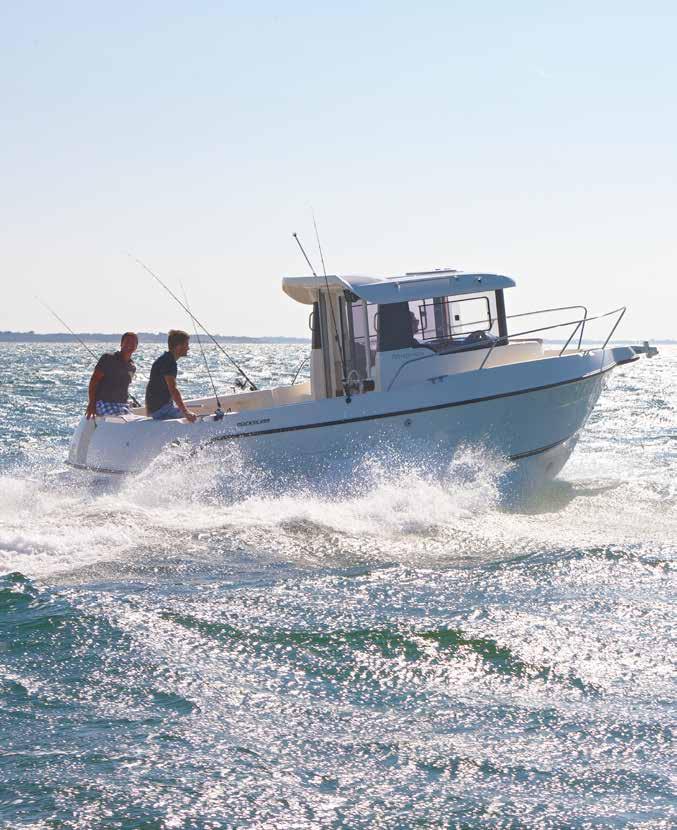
(166, 412)
(108, 408)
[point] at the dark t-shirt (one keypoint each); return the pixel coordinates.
(157, 391)
(117, 375)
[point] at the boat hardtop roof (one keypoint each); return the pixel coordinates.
(418, 285)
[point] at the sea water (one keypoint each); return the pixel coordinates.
(206, 646)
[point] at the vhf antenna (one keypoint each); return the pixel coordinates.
(310, 264)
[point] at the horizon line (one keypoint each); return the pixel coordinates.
(9, 336)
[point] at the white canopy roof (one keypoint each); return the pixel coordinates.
(408, 287)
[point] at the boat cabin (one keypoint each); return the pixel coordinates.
(370, 333)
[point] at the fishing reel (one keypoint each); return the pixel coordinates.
(244, 384)
(351, 385)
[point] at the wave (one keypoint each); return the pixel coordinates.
(386, 509)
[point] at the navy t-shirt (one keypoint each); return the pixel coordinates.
(117, 376)
(157, 391)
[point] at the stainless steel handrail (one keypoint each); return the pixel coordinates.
(522, 314)
(623, 309)
(547, 311)
(559, 308)
(506, 338)
(620, 310)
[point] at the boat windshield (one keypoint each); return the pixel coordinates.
(440, 323)
(445, 321)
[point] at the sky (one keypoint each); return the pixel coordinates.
(508, 138)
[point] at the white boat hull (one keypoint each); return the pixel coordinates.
(530, 413)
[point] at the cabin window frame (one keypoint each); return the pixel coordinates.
(394, 329)
(357, 347)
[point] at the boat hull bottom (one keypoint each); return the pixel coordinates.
(527, 474)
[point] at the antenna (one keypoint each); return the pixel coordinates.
(310, 265)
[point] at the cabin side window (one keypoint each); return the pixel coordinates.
(395, 327)
(358, 330)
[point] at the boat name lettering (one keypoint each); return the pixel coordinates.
(253, 423)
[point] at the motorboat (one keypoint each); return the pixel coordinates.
(424, 362)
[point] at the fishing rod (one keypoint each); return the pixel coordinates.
(339, 342)
(319, 245)
(298, 371)
(80, 341)
(218, 415)
(252, 386)
(331, 304)
(67, 327)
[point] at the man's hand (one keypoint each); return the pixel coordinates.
(170, 380)
(96, 378)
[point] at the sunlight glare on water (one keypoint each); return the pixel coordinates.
(206, 645)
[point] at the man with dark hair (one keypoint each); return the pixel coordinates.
(162, 392)
(112, 375)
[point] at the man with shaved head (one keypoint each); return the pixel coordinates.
(111, 378)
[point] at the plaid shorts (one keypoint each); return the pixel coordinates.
(108, 408)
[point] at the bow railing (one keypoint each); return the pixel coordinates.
(579, 327)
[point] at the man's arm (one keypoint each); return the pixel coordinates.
(95, 380)
(170, 380)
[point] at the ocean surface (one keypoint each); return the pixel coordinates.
(203, 647)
